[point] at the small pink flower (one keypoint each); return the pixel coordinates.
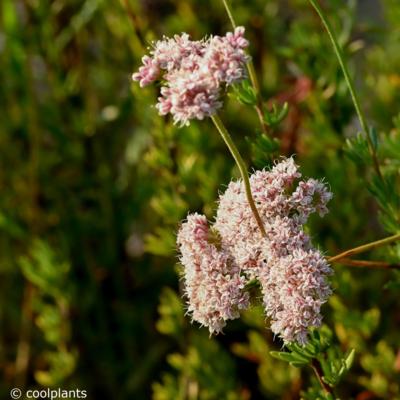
(194, 73)
(225, 57)
(236, 39)
(148, 73)
(311, 196)
(189, 95)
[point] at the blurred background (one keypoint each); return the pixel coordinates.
(94, 184)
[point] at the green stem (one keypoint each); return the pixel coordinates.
(256, 86)
(242, 168)
(364, 247)
(350, 84)
(229, 12)
(252, 75)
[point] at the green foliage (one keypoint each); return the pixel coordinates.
(263, 148)
(51, 305)
(171, 314)
(94, 186)
(333, 364)
(45, 272)
(387, 196)
(357, 149)
(196, 374)
(276, 115)
(245, 93)
(383, 377)
(274, 376)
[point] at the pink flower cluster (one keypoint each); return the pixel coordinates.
(213, 281)
(194, 72)
(292, 273)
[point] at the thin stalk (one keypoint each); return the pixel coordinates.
(368, 264)
(350, 84)
(252, 75)
(319, 374)
(242, 168)
(258, 106)
(229, 12)
(364, 247)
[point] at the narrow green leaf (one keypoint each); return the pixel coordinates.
(374, 137)
(298, 364)
(283, 356)
(283, 112)
(245, 93)
(301, 350)
(350, 359)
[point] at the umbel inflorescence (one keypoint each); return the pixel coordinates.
(220, 260)
(292, 273)
(194, 73)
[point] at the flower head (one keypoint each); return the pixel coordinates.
(293, 274)
(213, 283)
(189, 95)
(294, 285)
(194, 72)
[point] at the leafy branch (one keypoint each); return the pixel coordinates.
(328, 366)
